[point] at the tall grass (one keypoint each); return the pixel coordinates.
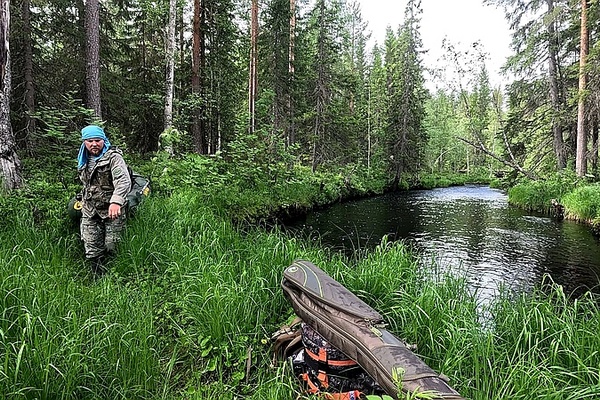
(191, 300)
(576, 199)
(62, 335)
(537, 345)
(583, 203)
(538, 195)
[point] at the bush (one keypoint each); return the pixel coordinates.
(538, 195)
(583, 203)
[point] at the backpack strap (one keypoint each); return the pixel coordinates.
(286, 340)
(322, 358)
(316, 389)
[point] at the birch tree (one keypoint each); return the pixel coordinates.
(581, 155)
(170, 76)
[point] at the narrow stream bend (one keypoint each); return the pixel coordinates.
(470, 229)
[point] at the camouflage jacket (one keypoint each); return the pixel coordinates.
(109, 182)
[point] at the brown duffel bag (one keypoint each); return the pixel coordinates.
(356, 329)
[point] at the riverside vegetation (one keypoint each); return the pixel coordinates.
(193, 296)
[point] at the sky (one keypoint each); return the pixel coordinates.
(461, 21)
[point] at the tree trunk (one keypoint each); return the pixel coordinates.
(290, 134)
(182, 40)
(92, 29)
(496, 157)
(170, 77)
(253, 75)
(558, 143)
(594, 156)
(197, 60)
(581, 157)
(321, 91)
(30, 123)
(10, 165)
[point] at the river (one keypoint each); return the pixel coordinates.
(468, 230)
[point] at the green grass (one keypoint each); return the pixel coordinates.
(580, 200)
(191, 300)
(61, 333)
(583, 203)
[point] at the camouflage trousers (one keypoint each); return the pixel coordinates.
(101, 236)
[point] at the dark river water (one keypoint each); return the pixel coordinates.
(470, 231)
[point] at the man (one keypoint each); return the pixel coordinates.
(106, 182)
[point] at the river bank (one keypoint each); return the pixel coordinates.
(562, 197)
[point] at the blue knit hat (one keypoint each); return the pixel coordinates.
(91, 132)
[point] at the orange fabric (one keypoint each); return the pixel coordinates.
(312, 388)
(352, 395)
(323, 379)
(322, 354)
(333, 363)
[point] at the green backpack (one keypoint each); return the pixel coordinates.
(140, 189)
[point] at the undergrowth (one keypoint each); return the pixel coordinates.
(192, 298)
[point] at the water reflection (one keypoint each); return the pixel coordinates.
(470, 229)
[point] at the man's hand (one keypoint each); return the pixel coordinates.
(114, 211)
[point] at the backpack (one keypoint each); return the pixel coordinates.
(322, 369)
(140, 189)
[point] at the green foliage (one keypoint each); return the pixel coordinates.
(548, 330)
(59, 333)
(578, 199)
(583, 202)
(190, 297)
(406, 136)
(44, 197)
(170, 141)
(340, 105)
(363, 180)
(443, 123)
(190, 171)
(248, 186)
(538, 195)
(58, 133)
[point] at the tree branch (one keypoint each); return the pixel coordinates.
(508, 163)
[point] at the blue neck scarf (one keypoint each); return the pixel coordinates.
(91, 132)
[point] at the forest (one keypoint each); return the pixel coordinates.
(242, 112)
(297, 80)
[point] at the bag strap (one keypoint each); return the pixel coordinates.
(286, 340)
(315, 389)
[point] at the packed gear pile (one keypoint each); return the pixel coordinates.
(339, 346)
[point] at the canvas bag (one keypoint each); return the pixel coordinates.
(357, 329)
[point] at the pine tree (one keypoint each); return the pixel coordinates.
(405, 131)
